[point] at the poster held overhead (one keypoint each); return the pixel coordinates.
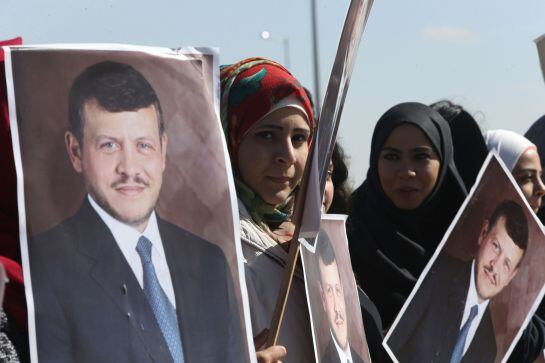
(127, 206)
(487, 267)
(330, 115)
(307, 220)
(540, 43)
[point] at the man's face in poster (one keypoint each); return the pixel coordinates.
(122, 158)
(497, 260)
(331, 291)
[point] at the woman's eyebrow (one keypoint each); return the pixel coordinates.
(390, 148)
(422, 148)
(526, 170)
(269, 126)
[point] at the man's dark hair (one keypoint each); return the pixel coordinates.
(324, 249)
(516, 223)
(116, 87)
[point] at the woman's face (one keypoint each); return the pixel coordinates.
(329, 189)
(528, 173)
(272, 155)
(408, 167)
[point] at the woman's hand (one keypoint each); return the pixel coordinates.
(271, 354)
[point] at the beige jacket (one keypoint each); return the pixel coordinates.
(264, 264)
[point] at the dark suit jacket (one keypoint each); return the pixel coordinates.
(332, 356)
(89, 306)
(428, 330)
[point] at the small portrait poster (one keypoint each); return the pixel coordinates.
(335, 313)
(127, 207)
(482, 285)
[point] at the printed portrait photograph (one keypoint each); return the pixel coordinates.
(483, 284)
(332, 296)
(126, 206)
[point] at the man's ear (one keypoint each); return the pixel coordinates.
(515, 272)
(164, 144)
(73, 148)
(484, 231)
(322, 295)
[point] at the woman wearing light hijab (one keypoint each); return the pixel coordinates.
(399, 214)
(521, 157)
(268, 123)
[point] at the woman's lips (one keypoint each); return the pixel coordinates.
(407, 190)
(282, 180)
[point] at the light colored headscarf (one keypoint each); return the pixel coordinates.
(508, 144)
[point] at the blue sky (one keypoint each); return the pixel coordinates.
(477, 53)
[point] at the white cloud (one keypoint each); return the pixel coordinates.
(447, 33)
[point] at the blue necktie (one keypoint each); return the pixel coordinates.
(458, 351)
(164, 311)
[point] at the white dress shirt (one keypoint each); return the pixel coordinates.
(344, 355)
(471, 300)
(127, 237)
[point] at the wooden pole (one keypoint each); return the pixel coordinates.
(287, 278)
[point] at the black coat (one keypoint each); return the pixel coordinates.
(429, 327)
(90, 307)
(332, 356)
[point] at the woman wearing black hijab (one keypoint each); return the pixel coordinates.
(399, 214)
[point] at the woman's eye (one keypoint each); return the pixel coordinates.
(422, 156)
(267, 135)
(525, 178)
(390, 156)
(299, 138)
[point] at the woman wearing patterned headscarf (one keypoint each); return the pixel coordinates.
(268, 121)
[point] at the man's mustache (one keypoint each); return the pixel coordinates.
(339, 315)
(137, 179)
(490, 270)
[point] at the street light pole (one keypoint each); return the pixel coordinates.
(317, 96)
(265, 35)
(286, 42)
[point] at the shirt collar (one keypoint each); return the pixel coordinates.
(345, 356)
(123, 233)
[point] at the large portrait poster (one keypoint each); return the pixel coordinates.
(127, 208)
(332, 296)
(483, 284)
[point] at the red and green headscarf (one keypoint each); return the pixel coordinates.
(250, 90)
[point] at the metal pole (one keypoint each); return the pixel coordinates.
(317, 96)
(287, 54)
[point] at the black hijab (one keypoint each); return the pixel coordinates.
(390, 246)
(536, 134)
(467, 140)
